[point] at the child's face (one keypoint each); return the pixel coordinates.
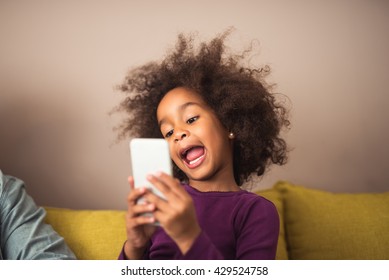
(198, 142)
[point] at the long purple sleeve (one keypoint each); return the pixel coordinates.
(235, 225)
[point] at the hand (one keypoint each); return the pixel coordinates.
(139, 228)
(176, 214)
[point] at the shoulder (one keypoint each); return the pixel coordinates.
(253, 200)
(10, 185)
(256, 208)
(3, 181)
(12, 192)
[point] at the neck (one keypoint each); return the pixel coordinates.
(221, 184)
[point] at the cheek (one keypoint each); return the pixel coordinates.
(216, 134)
(220, 142)
(173, 155)
(170, 151)
(178, 162)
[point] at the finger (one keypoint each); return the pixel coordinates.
(131, 182)
(141, 220)
(173, 183)
(164, 189)
(159, 203)
(134, 195)
(131, 195)
(161, 214)
(139, 209)
(162, 186)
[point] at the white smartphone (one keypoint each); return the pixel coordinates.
(148, 156)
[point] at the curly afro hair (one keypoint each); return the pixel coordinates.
(238, 95)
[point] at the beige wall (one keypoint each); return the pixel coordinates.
(59, 63)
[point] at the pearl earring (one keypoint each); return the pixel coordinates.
(231, 135)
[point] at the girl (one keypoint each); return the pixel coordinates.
(222, 124)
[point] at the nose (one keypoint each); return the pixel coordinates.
(180, 135)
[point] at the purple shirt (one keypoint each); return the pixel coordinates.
(235, 225)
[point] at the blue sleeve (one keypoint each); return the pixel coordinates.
(23, 232)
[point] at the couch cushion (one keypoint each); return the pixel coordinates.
(100, 234)
(91, 234)
(275, 196)
(324, 225)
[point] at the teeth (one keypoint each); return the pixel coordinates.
(196, 160)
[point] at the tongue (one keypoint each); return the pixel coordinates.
(194, 153)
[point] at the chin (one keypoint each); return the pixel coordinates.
(200, 176)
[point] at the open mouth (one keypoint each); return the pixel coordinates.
(193, 156)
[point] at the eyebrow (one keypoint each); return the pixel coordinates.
(181, 108)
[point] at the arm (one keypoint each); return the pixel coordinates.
(138, 227)
(24, 234)
(256, 230)
(177, 213)
(203, 249)
(259, 225)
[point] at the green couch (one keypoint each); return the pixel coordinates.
(314, 225)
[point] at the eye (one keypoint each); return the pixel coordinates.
(192, 120)
(169, 133)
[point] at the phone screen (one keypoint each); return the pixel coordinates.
(148, 156)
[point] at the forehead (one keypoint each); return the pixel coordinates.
(176, 98)
(181, 93)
